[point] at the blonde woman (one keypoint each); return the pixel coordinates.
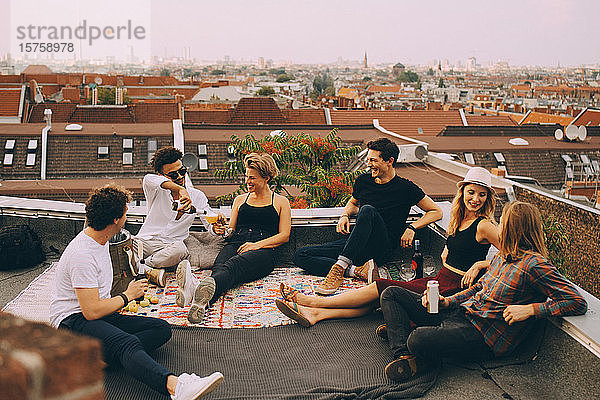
(261, 221)
(490, 318)
(470, 233)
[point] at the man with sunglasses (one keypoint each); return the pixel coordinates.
(164, 230)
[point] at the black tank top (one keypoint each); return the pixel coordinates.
(258, 218)
(464, 249)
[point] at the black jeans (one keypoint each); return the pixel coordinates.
(446, 334)
(126, 339)
(368, 239)
(232, 269)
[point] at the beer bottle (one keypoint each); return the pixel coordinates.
(417, 260)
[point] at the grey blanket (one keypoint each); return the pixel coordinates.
(341, 359)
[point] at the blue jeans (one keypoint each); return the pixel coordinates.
(368, 239)
(446, 334)
(126, 339)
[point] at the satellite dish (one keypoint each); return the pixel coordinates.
(73, 127)
(558, 134)
(582, 133)
(98, 80)
(571, 132)
(190, 161)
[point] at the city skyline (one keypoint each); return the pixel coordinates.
(527, 32)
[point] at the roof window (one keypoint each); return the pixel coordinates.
(127, 158)
(203, 164)
(8, 158)
(30, 162)
(102, 152)
(32, 145)
(469, 158)
(127, 144)
(10, 144)
(202, 150)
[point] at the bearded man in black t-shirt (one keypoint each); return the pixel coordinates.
(381, 201)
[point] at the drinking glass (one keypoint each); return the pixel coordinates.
(428, 265)
(406, 271)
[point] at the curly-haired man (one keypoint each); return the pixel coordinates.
(81, 302)
(164, 230)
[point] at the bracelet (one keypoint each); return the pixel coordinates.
(345, 215)
(125, 299)
(412, 228)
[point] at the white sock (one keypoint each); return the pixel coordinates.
(143, 268)
(350, 271)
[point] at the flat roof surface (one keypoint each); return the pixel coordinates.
(489, 143)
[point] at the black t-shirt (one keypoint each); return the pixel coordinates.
(393, 200)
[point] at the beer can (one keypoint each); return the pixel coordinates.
(433, 297)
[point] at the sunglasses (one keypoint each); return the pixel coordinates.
(176, 174)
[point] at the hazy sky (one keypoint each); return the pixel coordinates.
(522, 32)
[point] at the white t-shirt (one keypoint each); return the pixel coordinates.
(160, 223)
(85, 263)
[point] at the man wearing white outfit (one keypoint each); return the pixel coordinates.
(164, 230)
(81, 302)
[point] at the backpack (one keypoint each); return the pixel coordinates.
(20, 247)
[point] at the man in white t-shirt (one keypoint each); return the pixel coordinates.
(164, 230)
(81, 302)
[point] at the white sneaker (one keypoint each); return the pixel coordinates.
(186, 284)
(202, 295)
(192, 387)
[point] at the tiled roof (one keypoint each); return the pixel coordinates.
(207, 116)
(99, 115)
(401, 122)
(489, 120)
(154, 112)
(384, 89)
(37, 69)
(349, 93)
(71, 94)
(543, 118)
(139, 112)
(307, 116)
(588, 117)
(60, 112)
(10, 101)
(256, 110)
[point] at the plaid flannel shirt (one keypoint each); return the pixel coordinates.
(530, 280)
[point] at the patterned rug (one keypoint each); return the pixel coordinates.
(251, 305)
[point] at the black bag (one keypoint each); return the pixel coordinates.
(20, 247)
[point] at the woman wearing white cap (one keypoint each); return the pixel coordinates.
(471, 231)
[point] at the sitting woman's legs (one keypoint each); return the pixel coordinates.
(240, 268)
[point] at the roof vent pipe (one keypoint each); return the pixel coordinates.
(47, 128)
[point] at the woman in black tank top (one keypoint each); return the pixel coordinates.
(260, 221)
(471, 231)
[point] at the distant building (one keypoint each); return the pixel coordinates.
(471, 64)
(398, 69)
(365, 65)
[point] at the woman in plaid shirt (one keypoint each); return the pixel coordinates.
(491, 317)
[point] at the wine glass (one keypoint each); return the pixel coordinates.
(428, 265)
(407, 273)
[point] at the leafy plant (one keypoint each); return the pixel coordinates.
(557, 243)
(309, 163)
